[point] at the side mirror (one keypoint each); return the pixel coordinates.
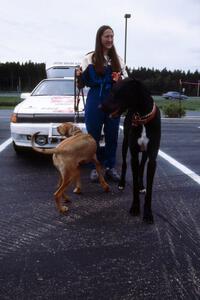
(23, 96)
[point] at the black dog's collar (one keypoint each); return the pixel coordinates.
(142, 120)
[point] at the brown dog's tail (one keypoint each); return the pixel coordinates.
(40, 150)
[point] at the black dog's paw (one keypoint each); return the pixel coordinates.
(135, 210)
(121, 185)
(142, 189)
(148, 216)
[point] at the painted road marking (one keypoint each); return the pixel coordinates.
(179, 166)
(5, 144)
(168, 158)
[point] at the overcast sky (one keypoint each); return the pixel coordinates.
(160, 33)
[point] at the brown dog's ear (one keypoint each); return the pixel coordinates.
(64, 128)
(73, 130)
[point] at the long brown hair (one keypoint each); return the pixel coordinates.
(98, 56)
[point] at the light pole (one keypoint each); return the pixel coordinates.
(198, 85)
(126, 16)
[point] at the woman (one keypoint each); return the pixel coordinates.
(97, 72)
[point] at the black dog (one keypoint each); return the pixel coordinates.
(142, 132)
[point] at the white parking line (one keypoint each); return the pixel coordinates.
(179, 166)
(5, 144)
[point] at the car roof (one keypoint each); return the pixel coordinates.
(63, 65)
(58, 78)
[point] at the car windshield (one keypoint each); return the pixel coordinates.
(55, 88)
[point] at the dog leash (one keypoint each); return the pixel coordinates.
(77, 99)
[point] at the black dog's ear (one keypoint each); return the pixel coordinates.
(139, 87)
(143, 90)
(121, 86)
(130, 87)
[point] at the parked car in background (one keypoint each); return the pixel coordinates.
(49, 104)
(174, 95)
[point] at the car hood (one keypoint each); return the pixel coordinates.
(47, 104)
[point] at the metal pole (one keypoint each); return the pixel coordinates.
(126, 16)
(180, 91)
(198, 85)
(125, 40)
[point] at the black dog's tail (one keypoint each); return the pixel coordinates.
(127, 127)
(122, 182)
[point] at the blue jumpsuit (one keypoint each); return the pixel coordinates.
(95, 118)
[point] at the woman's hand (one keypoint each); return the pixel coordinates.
(78, 71)
(116, 76)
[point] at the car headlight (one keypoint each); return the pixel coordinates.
(13, 118)
(41, 140)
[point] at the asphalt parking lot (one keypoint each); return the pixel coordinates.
(97, 250)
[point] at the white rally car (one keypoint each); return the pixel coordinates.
(49, 104)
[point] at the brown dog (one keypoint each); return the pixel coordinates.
(76, 149)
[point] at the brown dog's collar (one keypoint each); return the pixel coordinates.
(138, 120)
(115, 113)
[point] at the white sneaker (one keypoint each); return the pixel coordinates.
(94, 177)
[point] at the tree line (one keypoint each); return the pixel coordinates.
(162, 81)
(25, 76)
(21, 77)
